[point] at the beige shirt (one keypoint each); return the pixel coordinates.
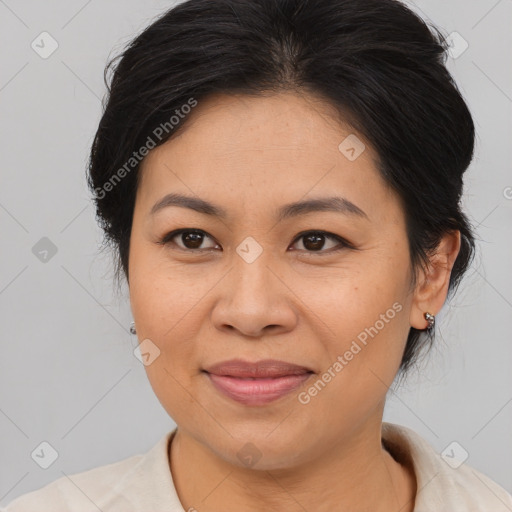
(143, 483)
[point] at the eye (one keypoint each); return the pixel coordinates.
(313, 241)
(190, 238)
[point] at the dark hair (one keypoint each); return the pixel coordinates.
(378, 63)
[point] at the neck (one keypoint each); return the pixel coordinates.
(357, 474)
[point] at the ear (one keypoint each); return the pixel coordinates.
(432, 285)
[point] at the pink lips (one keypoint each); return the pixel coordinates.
(257, 383)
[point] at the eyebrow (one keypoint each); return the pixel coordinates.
(328, 204)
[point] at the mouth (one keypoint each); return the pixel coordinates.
(257, 383)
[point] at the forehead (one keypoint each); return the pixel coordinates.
(279, 120)
(260, 149)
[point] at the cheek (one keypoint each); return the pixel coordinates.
(167, 301)
(155, 290)
(364, 313)
(363, 350)
(164, 312)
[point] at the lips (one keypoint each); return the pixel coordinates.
(257, 383)
(266, 368)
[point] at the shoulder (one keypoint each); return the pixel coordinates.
(127, 485)
(76, 492)
(443, 482)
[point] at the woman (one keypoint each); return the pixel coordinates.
(281, 180)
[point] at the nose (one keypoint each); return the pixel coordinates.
(254, 300)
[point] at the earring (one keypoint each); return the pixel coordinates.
(132, 328)
(431, 319)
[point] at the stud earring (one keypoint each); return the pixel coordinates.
(431, 319)
(132, 328)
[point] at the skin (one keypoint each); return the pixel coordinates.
(251, 155)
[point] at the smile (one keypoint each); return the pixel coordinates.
(257, 391)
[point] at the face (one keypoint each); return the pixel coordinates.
(324, 289)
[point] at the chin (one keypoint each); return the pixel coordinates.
(261, 450)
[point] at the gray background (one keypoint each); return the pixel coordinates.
(68, 375)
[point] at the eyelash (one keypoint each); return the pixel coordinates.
(344, 244)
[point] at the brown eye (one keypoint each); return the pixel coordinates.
(315, 241)
(186, 239)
